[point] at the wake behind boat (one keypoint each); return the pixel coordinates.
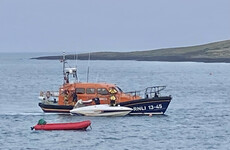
(101, 110)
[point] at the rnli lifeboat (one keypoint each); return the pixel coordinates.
(147, 101)
(62, 126)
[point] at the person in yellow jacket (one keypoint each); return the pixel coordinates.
(112, 91)
(66, 97)
(112, 100)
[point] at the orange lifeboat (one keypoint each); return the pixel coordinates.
(151, 101)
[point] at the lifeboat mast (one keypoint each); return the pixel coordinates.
(68, 71)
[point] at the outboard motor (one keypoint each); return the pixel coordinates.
(96, 100)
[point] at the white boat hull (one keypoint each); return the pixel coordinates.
(101, 110)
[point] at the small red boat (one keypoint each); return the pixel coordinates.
(63, 126)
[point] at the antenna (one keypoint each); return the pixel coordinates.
(88, 69)
(76, 57)
(63, 62)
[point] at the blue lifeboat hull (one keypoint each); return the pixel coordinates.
(155, 105)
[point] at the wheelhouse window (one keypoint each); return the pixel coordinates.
(118, 89)
(102, 91)
(80, 90)
(90, 91)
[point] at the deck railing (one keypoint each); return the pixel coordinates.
(148, 92)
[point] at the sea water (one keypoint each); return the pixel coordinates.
(197, 118)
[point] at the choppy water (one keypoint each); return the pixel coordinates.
(197, 118)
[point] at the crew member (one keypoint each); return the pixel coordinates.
(74, 97)
(112, 100)
(66, 97)
(96, 100)
(112, 91)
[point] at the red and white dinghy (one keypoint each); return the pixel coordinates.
(63, 126)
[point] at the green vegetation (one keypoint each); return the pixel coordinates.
(212, 52)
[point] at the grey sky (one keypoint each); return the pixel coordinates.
(105, 25)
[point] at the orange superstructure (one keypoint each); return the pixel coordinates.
(70, 93)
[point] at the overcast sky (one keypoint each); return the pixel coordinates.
(110, 25)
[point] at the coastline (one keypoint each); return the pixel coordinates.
(165, 59)
(216, 52)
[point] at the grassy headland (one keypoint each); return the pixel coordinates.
(212, 52)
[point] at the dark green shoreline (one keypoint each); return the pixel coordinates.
(212, 52)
